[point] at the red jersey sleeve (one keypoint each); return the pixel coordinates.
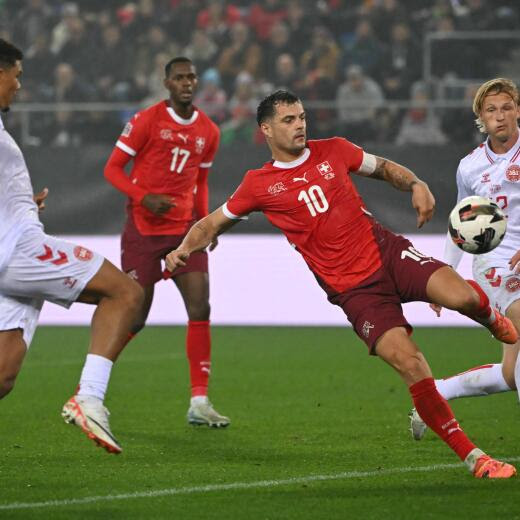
(243, 201)
(351, 154)
(207, 160)
(135, 134)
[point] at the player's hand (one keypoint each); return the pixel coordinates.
(158, 203)
(423, 201)
(39, 198)
(514, 263)
(177, 258)
(213, 244)
(436, 308)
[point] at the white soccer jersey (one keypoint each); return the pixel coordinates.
(497, 177)
(18, 211)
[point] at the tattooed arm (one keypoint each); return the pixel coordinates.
(402, 179)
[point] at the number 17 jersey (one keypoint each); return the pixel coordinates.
(314, 202)
(168, 152)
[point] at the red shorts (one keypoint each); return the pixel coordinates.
(374, 306)
(142, 255)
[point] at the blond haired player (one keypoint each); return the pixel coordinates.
(492, 170)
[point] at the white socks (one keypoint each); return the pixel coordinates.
(483, 380)
(95, 376)
(517, 375)
(199, 399)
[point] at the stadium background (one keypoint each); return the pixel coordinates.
(395, 76)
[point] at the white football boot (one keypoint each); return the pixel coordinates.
(91, 416)
(417, 425)
(201, 411)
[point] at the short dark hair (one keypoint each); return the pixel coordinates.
(266, 108)
(172, 62)
(9, 54)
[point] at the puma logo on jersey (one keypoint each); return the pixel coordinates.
(183, 137)
(304, 179)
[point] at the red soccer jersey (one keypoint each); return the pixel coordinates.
(314, 202)
(168, 152)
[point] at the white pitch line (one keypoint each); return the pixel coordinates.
(231, 486)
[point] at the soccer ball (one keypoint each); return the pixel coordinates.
(477, 225)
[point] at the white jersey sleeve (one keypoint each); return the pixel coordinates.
(18, 211)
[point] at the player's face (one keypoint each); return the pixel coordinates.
(181, 83)
(500, 116)
(287, 129)
(9, 84)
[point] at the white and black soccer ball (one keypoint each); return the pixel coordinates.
(477, 225)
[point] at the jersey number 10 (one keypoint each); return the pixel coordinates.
(315, 200)
(178, 165)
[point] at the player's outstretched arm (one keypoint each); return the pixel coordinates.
(199, 237)
(404, 179)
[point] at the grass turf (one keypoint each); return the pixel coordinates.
(303, 402)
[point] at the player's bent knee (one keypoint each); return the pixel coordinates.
(6, 385)
(198, 311)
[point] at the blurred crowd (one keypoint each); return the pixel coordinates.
(349, 60)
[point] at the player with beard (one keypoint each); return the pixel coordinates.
(306, 191)
(172, 145)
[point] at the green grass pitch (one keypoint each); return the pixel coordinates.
(319, 430)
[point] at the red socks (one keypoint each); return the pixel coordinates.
(436, 413)
(198, 350)
(484, 313)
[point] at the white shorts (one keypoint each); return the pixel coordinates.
(42, 268)
(501, 285)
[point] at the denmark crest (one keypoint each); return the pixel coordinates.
(513, 173)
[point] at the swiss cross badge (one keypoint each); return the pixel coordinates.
(199, 144)
(325, 170)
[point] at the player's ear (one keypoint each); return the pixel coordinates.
(266, 129)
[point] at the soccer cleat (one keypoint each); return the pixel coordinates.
(204, 413)
(486, 467)
(503, 329)
(417, 425)
(92, 417)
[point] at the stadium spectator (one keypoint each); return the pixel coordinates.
(363, 268)
(242, 105)
(154, 42)
(210, 97)
(402, 63)
(65, 127)
(365, 50)
(79, 49)
(286, 73)
(201, 50)
(358, 99)
(36, 267)
(172, 145)
(299, 21)
(112, 83)
(264, 14)
(385, 16)
(218, 19)
(420, 125)
(31, 20)
(277, 43)
(241, 54)
(64, 29)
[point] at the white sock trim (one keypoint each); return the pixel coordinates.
(95, 376)
(472, 458)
